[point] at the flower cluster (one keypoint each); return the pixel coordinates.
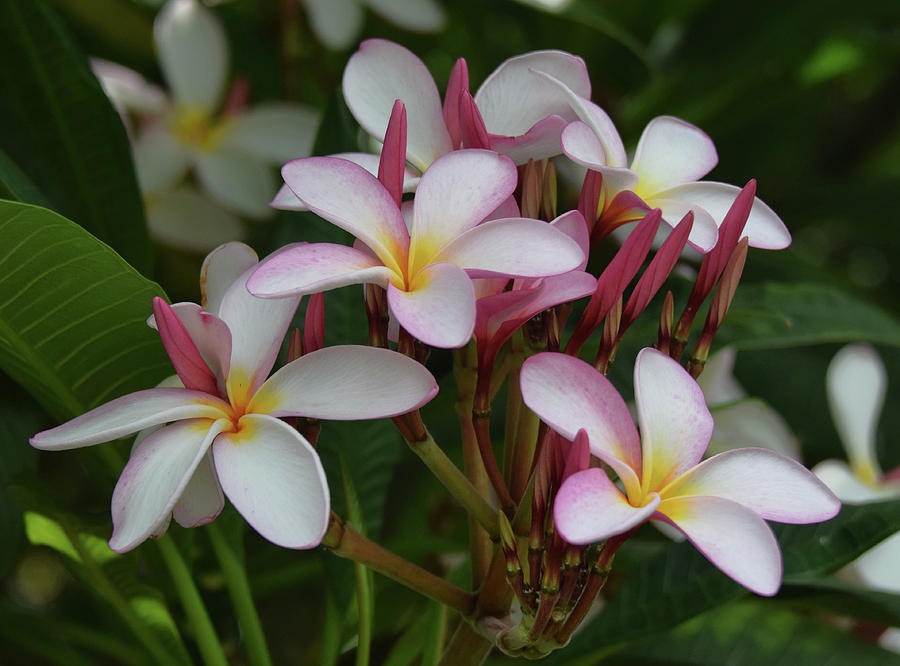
(460, 245)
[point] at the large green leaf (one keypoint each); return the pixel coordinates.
(58, 126)
(844, 598)
(680, 583)
(772, 315)
(751, 633)
(72, 314)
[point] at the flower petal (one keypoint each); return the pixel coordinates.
(573, 225)
(581, 145)
(456, 193)
(129, 414)
(589, 508)
(846, 485)
(185, 219)
(514, 97)
(336, 23)
(770, 484)
(414, 15)
(193, 53)
(878, 566)
(257, 328)
(856, 383)
(730, 536)
(202, 499)
(209, 333)
(380, 73)
(717, 379)
(157, 473)
(675, 423)
(764, 228)
(275, 133)
(237, 181)
(159, 160)
(751, 422)
(128, 90)
(568, 395)
(518, 247)
(671, 152)
(347, 382)
(275, 480)
(438, 308)
(539, 142)
(221, 268)
(350, 197)
(704, 232)
(307, 268)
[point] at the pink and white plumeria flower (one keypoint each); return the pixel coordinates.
(671, 158)
(719, 504)
(856, 383)
(230, 151)
(224, 432)
(426, 267)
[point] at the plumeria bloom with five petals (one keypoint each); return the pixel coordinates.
(719, 504)
(670, 159)
(426, 267)
(230, 151)
(224, 432)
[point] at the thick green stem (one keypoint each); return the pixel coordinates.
(241, 598)
(466, 647)
(346, 542)
(207, 640)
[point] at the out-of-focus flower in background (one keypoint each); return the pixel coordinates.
(228, 148)
(338, 23)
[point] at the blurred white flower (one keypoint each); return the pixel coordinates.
(338, 23)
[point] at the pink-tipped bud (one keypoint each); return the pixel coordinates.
(549, 191)
(589, 199)
(578, 457)
(471, 125)
(530, 184)
(392, 164)
(314, 324)
(459, 82)
(189, 364)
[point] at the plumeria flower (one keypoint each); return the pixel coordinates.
(719, 504)
(337, 23)
(671, 158)
(741, 420)
(230, 151)
(426, 267)
(224, 433)
(856, 383)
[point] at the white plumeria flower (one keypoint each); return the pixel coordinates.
(224, 433)
(671, 157)
(856, 383)
(338, 23)
(741, 420)
(230, 154)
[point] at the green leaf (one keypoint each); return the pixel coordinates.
(58, 126)
(44, 531)
(773, 315)
(837, 596)
(72, 314)
(15, 185)
(680, 583)
(751, 633)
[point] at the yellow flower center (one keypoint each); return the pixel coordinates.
(196, 128)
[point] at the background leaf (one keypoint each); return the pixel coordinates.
(73, 314)
(58, 126)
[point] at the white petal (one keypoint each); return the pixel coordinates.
(209, 333)
(193, 53)
(764, 228)
(347, 382)
(581, 145)
(675, 423)
(128, 90)
(847, 486)
(414, 15)
(337, 23)
(717, 379)
(513, 98)
(221, 268)
(771, 485)
(671, 152)
(154, 478)
(237, 181)
(704, 232)
(129, 414)
(202, 499)
(751, 422)
(275, 480)
(275, 133)
(878, 566)
(380, 73)
(733, 538)
(856, 383)
(186, 219)
(160, 161)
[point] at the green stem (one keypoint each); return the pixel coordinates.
(466, 647)
(364, 599)
(456, 483)
(207, 640)
(346, 542)
(241, 598)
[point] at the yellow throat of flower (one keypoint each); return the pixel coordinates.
(197, 128)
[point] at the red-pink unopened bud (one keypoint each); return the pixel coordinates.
(471, 125)
(393, 153)
(459, 82)
(314, 324)
(189, 364)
